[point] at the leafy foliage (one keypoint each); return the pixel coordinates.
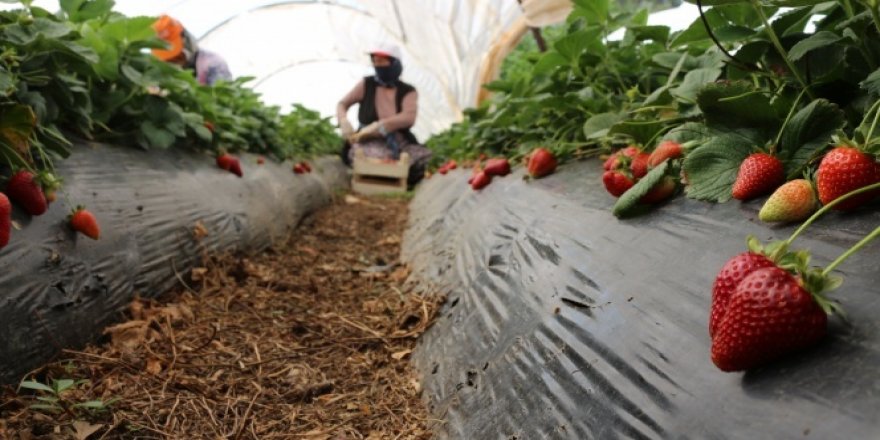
(85, 72)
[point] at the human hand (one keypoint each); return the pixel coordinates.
(345, 128)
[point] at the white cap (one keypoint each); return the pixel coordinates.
(386, 49)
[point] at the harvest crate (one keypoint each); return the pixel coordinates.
(376, 176)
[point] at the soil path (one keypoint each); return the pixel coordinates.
(310, 340)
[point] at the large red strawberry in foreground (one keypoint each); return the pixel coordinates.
(734, 271)
(769, 315)
(541, 163)
(844, 169)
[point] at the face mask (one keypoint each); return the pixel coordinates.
(388, 75)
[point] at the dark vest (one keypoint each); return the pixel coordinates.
(367, 112)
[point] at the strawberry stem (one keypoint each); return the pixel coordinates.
(759, 9)
(830, 205)
(868, 238)
(787, 119)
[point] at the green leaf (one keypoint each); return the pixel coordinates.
(712, 168)
(795, 3)
(807, 133)
(694, 81)
(82, 10)
(736, 104)
(627, 202)
(689, 131)
(91, 404)
(655, 33)
(818, 40)
(733, 33)
(156, 136)
(594, 11)
(718, 2)
(62, 385)
(17, 123)
(34, 385)
(550, 61)
(641, 132)
(574, 44)
(872, 83)
(792, 22)
(598, 125)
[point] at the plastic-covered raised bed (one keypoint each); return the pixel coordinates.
(565, 322)
(59, 289)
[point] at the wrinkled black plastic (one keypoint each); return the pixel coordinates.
(59, 289)
(564, 322)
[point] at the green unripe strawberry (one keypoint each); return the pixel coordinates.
(793, 201)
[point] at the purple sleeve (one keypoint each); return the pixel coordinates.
(211, 68)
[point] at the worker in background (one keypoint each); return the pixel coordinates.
(184, 51)
(388, 108)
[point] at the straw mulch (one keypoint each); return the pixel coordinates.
(310, 340)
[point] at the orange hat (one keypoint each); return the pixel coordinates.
(171, 31)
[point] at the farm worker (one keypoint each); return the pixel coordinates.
(184, 51)
(388, 108)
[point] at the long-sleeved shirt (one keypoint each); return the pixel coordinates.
(211, 67)
(386, 107)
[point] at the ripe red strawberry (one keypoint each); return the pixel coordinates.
(769, 315)
(261, 160)
(730, 275)
(661, 191)
(476, 170)
(639, 165)
(306, 166)
(613, 161)
(616, 183)
(845, 169)
(793, 201)
(541, 163)
(85, 223)
(665, 150)
(229, 163)
(498, 167)
(759, 174)
(481, 180)
(5, 220)
(298, 169)
(24, 190)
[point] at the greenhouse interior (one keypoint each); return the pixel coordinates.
(451, 219)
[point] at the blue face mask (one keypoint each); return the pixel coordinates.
(387, 76)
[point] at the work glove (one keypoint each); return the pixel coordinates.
(369, 131)
(345, 128)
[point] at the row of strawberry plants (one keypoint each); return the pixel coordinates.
(86, 73)
(743, 103)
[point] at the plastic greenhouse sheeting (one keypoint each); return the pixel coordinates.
(59, 289)
(564, 322)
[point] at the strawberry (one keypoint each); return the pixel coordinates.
(498, 167)
(229, 163)
(616, 182)
(613, 161)
(768, 315)
(541, 163)
(24, 190)
(845, 169)
(51, 196)
(451, 165)
(661, 191)
(209, 125)
(665, 150)
(476, 170)
(639, 165)
(5, 220)
(261, 160)
(85, 223)
(758, 174)
(793, 201)
(481, 180)
(298, 169)
(306, 166)
(728, 278)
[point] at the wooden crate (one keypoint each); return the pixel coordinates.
(374, 176)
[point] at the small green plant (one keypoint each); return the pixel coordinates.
(55, 398)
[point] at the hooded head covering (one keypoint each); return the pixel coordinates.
(178, 38)
(387, 76)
